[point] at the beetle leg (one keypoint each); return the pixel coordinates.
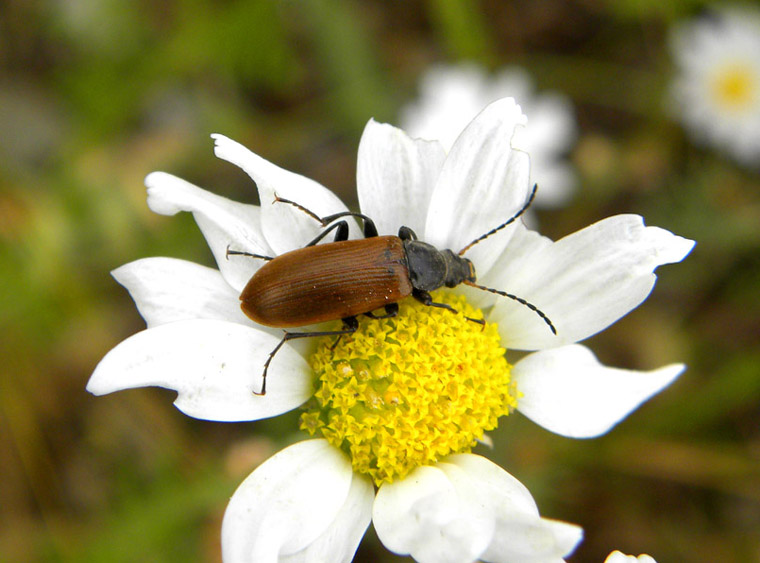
(370, 230)
(350, 324)
(405, 233)
(426, 299)
(342, 233)
(391, 310)
(369, 227)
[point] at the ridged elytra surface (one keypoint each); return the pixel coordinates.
(327, 282)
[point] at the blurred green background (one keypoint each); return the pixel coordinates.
(96, 94)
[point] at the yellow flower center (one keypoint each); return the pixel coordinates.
(409, 390)
(735, 87)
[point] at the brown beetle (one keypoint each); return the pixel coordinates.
(312, 284)
(348, 278)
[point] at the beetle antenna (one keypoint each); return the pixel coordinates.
(242, 253)
(520, 300)
(309, 212)
(508, 222)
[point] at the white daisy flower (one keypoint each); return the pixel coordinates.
(397, 405)
(452, 95)
(620, 557)
(716, 91)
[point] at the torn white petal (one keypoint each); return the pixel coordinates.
(483, 182)
(168, 289)
(395, 177)
(567, 391)
(583, 282)
(286, 227)
(224, 223)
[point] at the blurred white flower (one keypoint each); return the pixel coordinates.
(398, 404)
(620, 557)
(451, 96)
(716, 90)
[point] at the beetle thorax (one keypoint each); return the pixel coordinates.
(430, 268)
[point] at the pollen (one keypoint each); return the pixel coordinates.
(409, 390)
(735, 86)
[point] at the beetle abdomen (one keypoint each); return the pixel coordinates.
(327, 282)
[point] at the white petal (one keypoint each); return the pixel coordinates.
(497, 487)
(523, 245)
(468, 508)
(567, 391)
(520, 534)
(428, 516)
(224, 223)
(583, 282)
(533, 540)
(167, 290)
(287, 503)
(338, 543)
(395, 177)
(285, 227)
(484, 181)
(620, 557)
(214, 366)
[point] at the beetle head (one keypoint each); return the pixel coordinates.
(458, 269)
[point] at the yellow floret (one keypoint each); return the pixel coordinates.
(735, 86)
(409, 390)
